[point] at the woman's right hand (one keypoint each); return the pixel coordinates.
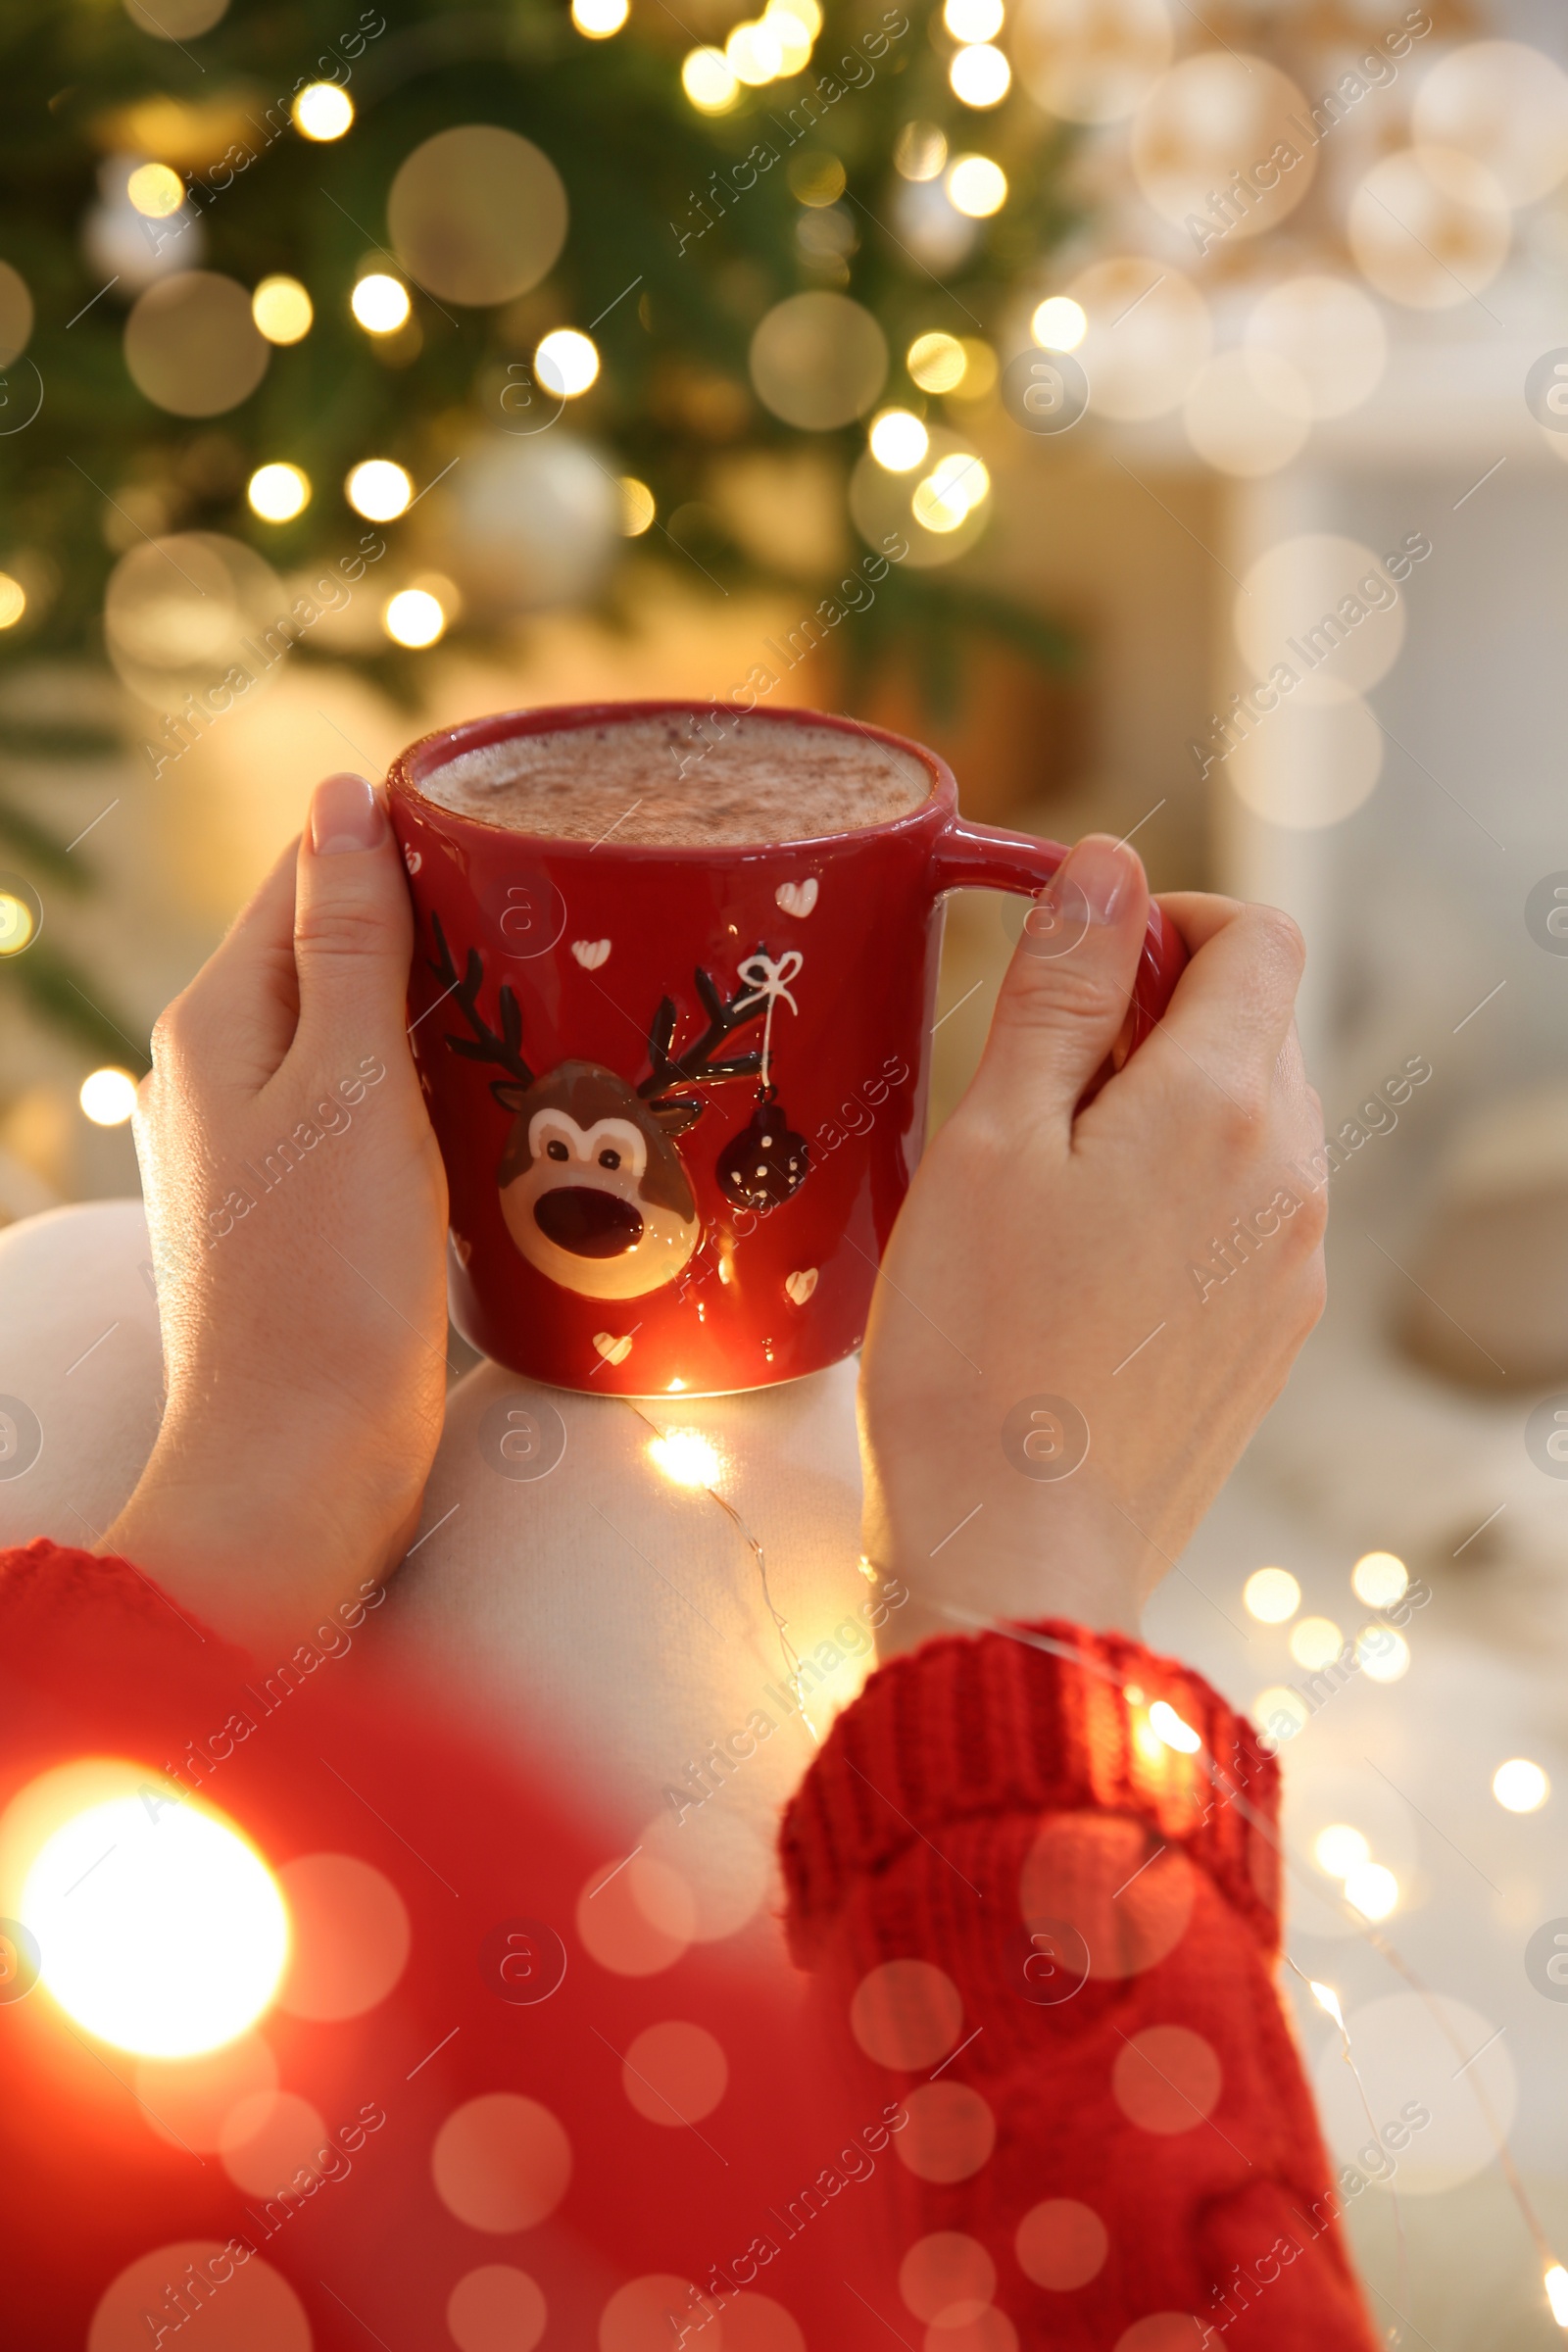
(1059, 1371)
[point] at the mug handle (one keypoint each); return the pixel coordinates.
(969, 857)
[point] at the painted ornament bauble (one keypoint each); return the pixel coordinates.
(767, 1161)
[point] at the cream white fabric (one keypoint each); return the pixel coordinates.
(80, 1352)
(600, 1611)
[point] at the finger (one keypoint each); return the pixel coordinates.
(1067, 988)
(1197, 914)
(246, 993)
(1235, 1003)
(352, 929)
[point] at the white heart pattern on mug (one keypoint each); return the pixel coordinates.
(801, 1286)
(613, 1351)
(798, 897)
(411, 858)
(590, 952)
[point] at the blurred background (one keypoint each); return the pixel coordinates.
(364, 371)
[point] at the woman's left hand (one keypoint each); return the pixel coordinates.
(297, 1204)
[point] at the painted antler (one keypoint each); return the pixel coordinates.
(695, 1066)
(502, 1046)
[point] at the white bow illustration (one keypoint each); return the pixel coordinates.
(768, 978)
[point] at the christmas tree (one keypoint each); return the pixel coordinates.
(274, 274)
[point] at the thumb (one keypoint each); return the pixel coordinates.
(352, 929)
(1069, 985)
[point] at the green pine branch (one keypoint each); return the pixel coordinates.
(65, 994)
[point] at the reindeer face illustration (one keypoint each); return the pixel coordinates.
(593, 1192)
(592, 1189)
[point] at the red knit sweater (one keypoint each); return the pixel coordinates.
(1110, 2108)
(1044, 1936)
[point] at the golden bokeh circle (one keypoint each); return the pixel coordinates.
(16, 314)
(181, 612)
(1212, 117)
(1429, 226)
(192, 346)
(818, 361)
(1091, 61)
(477, 215)
(1147, 333)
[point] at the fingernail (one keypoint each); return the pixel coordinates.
(345, 815)
(1102, 870)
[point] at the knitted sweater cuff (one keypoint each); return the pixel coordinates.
(1042, 1718)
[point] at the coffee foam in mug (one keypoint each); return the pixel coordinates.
(667, 780)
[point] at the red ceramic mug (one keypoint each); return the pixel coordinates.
(680, 1091)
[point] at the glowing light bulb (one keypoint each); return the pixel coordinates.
(899, 440)
(1170, 1727)
(17, 926)
(1520, 1787)
(1279, 1713)
(795, 49)
(1556, 2285)
(159, 1928)
(637, 507)
(378, 490)
(413, 617)
(1372, 1891)
(950, 492)
(278, 492)
(981, 367)
(107, 1096)
(686, 1456)
(936, 362)
(1327, 1998)
(323, 110)
(753, 52)
(1379, 1580)
(980, 76)
(973, 19)
(1060, 323)
(708, 82)
(380, 303)
(921, 152)
(1383, 1654)
(566, 362)
(155, 191)
(12, 601)
(1316, 1641)
(963, 477)
(1271, 1594)
(599, 18)
(282, 309)
(789, 23)
(1339, 1850)
(976, 186)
